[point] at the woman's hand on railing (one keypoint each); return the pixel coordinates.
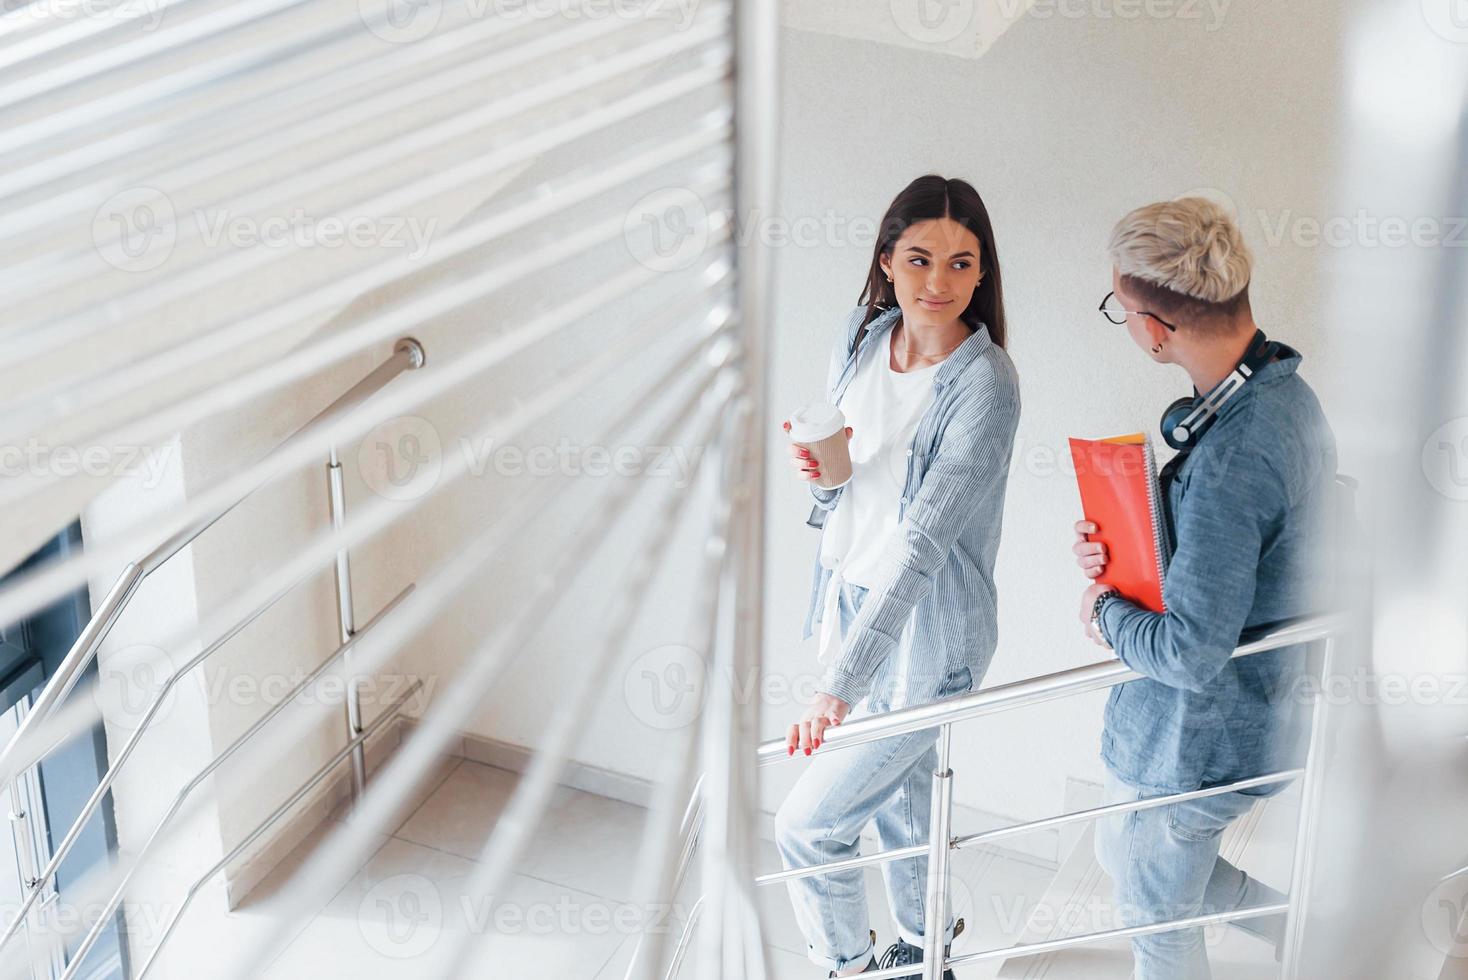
(1090, 555)
(826, 712)
(806, 465)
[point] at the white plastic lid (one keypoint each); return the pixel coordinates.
(816, 421)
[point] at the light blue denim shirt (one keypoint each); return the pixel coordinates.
(939, 566)
(1247, 509)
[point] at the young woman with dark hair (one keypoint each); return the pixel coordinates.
(904, 583)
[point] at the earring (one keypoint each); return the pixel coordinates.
(1157, 349)
(890, 279)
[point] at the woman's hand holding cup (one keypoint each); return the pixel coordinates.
(806, 465)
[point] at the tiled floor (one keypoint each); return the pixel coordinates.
(566, 913)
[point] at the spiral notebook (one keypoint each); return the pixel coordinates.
(1120, 494)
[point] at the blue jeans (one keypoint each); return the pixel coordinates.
(1164, 864)
(890, 782)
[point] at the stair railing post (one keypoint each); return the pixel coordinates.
(935, 918)
(348, 625)
(1311, 787)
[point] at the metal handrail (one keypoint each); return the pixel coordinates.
(681, 949)
(708, 339)
(59, 853)
(1146, 803)
(1051, 945)
(712, 339)
(357, 742)
(1029, 826)
(1004, 697)
(1032, 690)
(79, 955)
(407, 355)
(343, 851)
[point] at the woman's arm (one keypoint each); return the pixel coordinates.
(965, 482)
(826, 499)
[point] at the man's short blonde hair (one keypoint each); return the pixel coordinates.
(1189, 246)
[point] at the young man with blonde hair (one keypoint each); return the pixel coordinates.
(1243, 500)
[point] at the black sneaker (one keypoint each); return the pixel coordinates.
(906, 954)
(870, 966)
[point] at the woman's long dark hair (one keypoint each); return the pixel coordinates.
(928, 198)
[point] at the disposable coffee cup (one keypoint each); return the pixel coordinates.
(821, 428)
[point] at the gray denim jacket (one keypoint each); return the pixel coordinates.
(939, 567)
(1248, 509)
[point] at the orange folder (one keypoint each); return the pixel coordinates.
(1117, 478)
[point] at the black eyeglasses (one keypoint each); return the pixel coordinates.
(1111, 309)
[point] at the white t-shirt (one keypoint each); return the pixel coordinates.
(883, 408)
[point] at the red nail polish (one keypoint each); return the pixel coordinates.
(816, 744)
(807, 752)
(792, 751)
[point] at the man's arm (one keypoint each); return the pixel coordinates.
(965, 481)
(1231, 500)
